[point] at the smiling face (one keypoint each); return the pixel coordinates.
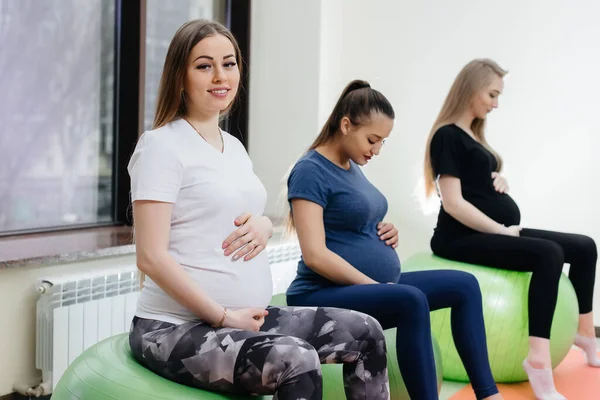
(363, 142)
(212, 76)
(486, 99)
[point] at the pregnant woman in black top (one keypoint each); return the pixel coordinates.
(479, 222)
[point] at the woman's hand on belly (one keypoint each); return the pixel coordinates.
(388, 232)
(500, 183)
(251, 237)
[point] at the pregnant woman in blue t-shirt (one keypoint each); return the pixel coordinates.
(348, 254)
(479, 222)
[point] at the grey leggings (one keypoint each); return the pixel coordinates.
(282, 359)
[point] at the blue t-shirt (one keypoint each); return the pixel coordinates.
(352, 208)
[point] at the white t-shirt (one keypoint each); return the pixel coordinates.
(208, 190)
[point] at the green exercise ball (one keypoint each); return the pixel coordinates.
(108, 371)
(505, 299)
(333, 388)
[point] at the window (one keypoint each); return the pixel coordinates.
(57, 83)
(70, 90)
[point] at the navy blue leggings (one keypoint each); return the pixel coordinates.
(406, 306)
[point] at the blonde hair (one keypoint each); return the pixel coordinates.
(357, 102)
(474, 77)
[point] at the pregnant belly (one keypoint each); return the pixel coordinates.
(370, 256)
(501, 208)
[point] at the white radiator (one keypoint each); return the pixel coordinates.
(75, 312)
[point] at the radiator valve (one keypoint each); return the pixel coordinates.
(44, 285)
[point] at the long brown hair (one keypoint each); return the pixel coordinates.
(474, 77)
(357, 102)
(171, 101)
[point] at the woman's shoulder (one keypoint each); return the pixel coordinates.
(160, 143)
(449, 134)
(448, 130)
(161, 136)
(309, 162)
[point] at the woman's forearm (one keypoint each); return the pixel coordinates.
(469, 215)
(333, 267)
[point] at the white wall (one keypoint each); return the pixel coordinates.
(285, 65)
(545, 128)
(18, 297)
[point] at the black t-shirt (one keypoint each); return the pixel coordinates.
(455, 153)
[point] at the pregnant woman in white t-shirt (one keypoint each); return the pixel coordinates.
(203, 317)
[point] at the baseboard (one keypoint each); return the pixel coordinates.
(17, 396)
